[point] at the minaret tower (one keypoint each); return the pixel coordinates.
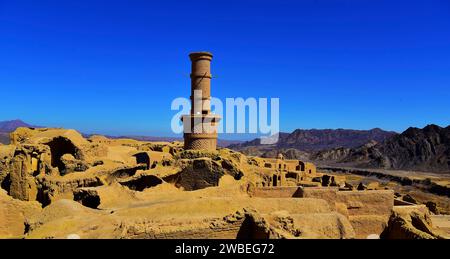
(200, 126)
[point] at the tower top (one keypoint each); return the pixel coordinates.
(199, 54)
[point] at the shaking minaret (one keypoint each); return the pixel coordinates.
(200, 126)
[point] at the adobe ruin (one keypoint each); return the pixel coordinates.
(56, 183)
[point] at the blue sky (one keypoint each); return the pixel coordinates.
(114, 67)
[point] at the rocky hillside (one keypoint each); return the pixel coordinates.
(316, 140)
(426, 149)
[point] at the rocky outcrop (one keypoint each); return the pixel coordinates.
(426, 149)
(344, 155)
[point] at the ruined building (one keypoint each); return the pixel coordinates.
(200, 126)
(56, 182)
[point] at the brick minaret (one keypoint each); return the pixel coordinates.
(200, 127)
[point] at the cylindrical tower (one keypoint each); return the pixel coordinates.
(201, 80)
(200, 127)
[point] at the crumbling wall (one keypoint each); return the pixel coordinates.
(28, 162)
(378, 202)
(326, 193)
(6, 154)
(369, 211)
(13, 215)
(60, 147)
(245, 224)
(410, 222)
(203, 172)
(228, 227)
(22, 183)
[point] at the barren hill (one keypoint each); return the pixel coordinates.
(426, 149)
(315, 140)
(301, 143)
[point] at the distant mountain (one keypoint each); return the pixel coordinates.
(10, 126)
(426, 149)
(316, 140)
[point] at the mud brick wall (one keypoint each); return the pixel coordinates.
(276, 192)
(378, 202)
(325, 193)
(368, 211)
(198, 230)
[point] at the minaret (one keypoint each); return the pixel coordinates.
(200, 127)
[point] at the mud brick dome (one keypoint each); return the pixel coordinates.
(200, 126)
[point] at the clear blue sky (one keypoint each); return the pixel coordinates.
(115, 66)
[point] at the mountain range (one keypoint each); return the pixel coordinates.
(426, 149)
(415, 149)
(316, 140)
